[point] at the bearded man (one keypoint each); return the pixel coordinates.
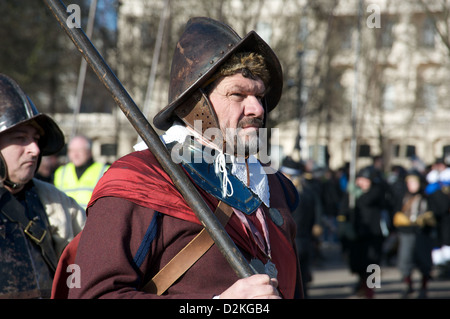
(139, 226)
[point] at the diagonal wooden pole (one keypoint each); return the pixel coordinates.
(217, 232)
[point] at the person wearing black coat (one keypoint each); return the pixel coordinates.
(306, 217)
(365, 246)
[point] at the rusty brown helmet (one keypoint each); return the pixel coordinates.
(202, 48)
(16, 108)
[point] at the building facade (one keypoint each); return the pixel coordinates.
(393, 73)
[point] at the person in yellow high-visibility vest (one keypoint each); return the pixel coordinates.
(79, 177)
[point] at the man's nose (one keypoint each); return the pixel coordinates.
(254, 107)
(33, 148)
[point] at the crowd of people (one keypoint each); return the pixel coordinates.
(398, 217)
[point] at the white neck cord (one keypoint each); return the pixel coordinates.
(220, 167)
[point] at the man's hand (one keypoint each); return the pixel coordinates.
(253, 287)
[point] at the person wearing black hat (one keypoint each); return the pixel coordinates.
(221, 88)
(36, 220)
(364, 246)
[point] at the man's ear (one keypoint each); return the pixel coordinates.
(3, 168)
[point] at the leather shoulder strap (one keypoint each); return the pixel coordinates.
(192, 252)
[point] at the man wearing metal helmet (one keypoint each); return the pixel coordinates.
(142, 240)
(36, 220)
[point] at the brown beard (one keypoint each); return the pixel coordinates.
(243, 148)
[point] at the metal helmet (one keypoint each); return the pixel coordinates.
(16, 108)
(202, 48)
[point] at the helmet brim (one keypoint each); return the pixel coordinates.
(52, 141)
(252, 42)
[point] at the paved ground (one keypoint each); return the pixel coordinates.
(333, 280)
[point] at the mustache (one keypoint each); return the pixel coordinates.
(254, 121)
(31, 159)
